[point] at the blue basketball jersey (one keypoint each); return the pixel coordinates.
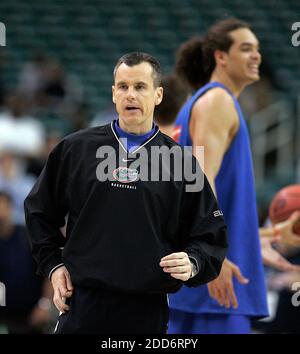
(236, 196)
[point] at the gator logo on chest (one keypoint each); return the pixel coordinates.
(125, 175)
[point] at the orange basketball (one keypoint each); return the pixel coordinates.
(285, 202)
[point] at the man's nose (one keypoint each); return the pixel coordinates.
(131, 93)
(256, 55)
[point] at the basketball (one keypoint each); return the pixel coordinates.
(284, 203)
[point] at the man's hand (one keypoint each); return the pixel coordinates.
(62, 286)
(178, 265)
(221, 289)
(285, 230)
(272, 258)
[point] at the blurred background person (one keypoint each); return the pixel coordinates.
(175, 95)
(32, 79)
(28, 298)
(15, 182)
(19, 131)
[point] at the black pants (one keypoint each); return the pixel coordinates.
(106, 312)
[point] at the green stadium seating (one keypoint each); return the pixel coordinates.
(88, 36)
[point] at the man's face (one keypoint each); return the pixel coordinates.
(243, 58)
(134, 93)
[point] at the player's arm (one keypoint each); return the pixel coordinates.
(45, 209)
(214, 123)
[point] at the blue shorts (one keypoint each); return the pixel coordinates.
(181, 322)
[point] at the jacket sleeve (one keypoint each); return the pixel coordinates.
(45, 209)
(204, 232)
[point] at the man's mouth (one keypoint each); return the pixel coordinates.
(132, 108)
(254, 68)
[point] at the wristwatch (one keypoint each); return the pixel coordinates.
(194, 268)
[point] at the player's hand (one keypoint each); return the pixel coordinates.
(272, 258)
(221, 289)
(178, 265)
(285, 232)
(63, 288)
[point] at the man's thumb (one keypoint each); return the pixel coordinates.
(239, 276)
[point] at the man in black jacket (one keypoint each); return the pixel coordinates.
(136, 228)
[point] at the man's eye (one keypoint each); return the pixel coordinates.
(139, 87)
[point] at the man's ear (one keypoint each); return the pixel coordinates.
(159, 95)
(220, 57)
(113, 94)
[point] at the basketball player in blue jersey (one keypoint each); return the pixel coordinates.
(223, 63)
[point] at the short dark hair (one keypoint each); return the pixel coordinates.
(135, 58)
(6, 195)
(195, 60)
(175, 95)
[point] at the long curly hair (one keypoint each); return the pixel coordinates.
(195, 60)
